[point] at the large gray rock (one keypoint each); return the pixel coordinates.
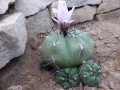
(39, 23)
(13, 37)
(109, 15)
(30, 7)
(78, 3)
(84, 14)
(108, 5)
(4, 5)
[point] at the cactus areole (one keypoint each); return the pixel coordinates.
(66, 48)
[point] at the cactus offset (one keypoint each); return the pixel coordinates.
(64, 51)
(89, 73)
(68, 77)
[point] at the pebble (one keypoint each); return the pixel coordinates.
(104, 75)
(118, 69)
(111, 85)
(100, 38)
(61, 89)
(116, 36)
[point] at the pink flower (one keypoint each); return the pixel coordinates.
(63, 15)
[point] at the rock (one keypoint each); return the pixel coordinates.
(13, 37)
(39, 23)
(4, 4)
(111, 85)
(78, 3)
(30, 7)
(109, 15)
(19, 87)
(108, 5)
(114, 80)
(89, 88)
(83, 14)
(103, 86)
(114, 77)
(11, 72)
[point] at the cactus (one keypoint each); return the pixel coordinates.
(68, 77)
(65, 50)
(89, 73)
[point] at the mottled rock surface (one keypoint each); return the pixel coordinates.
(108, 5)
(13, 37)
(78, 3)
(83, 14)
(109, 15)
(4, 4)
(39, 23)
(30, 7)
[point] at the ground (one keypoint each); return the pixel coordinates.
(105, 35)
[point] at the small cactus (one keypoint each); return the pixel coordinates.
(65, 50)
(89, 73)
(68, 77)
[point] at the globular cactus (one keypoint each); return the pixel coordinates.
(90, 73)
(68, 77)
(65, 50)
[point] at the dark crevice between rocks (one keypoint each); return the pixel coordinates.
(108, 11)
(11, 10)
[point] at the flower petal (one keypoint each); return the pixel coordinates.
(62, 11)
(55, 11)
(55, 20)
(71, 21)
(70, 12)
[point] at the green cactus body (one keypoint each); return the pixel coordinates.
(89, 73)
(67, 51)
(68, 77)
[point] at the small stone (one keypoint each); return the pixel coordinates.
(116, 36)
(100, 38)
(104, 75)
(89, 88)
(61, 89)
(118, 69)
(103, 86)
(93, 33)
(19, 87)
(111, 85)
